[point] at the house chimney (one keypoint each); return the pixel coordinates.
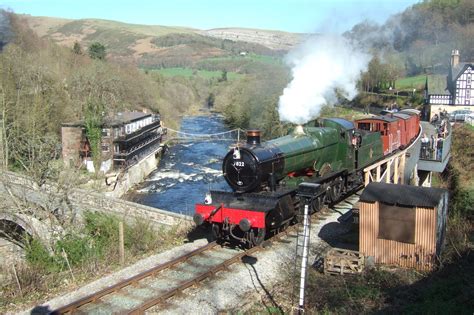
(454, 58)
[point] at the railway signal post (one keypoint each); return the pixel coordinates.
(307, 192)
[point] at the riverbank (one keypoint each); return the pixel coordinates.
(188, 170)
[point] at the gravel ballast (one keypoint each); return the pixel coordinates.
(233, 290)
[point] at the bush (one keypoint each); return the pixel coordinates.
(38, 256)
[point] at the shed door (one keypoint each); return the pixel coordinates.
(397, 223)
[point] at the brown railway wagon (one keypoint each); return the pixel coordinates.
(389, 128)
(415, 119)
(406, 128)
(402, 225)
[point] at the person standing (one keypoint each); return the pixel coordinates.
(425, 141)
(439, 150)
(433, 143)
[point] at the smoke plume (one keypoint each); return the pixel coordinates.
(320, 66)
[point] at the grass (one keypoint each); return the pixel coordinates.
(341, 112)
(418, 82)
(249, 57)
(188, 72)
(91, 251)
(68, 27)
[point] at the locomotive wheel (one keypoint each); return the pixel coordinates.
(336, 190)
(216, 231)
(316, 205)
(257, 240)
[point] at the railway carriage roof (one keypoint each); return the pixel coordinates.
(402, 116)
(410, 111)
(380, 118)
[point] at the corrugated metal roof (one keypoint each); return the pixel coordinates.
(404, 195)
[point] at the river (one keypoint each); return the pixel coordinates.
(188, 170)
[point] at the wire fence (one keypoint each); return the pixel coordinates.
(231, 135)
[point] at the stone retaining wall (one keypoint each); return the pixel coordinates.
(82, 200)
(135, 174)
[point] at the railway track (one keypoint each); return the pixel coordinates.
(154, 286)
(151, 288)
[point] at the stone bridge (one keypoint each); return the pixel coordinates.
(76, 201)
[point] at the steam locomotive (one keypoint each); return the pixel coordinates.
(264, 176)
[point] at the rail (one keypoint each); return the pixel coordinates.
(131, 281)
(159, 296)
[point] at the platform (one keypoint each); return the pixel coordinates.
(429, 159)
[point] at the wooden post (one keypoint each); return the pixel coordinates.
(69, 265)
(402, 169)
(17, 280)
(377, 178)
(367, 178)
(388, 171)
(395, 171)
(121, 244)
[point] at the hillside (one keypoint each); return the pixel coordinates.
(155, 46)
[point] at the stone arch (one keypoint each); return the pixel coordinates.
(13, 227)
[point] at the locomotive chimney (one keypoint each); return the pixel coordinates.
(299, 130)
(253, 137)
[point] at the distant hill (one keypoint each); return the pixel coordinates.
(155, 46)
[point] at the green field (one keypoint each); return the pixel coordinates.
(188, 72)
(249, 57)
(418, 82)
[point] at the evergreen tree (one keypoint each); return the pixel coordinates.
(97, 51)
(77, 49)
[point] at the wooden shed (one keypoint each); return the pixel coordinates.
(402, 225)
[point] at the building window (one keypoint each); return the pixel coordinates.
(128, 129)
(396, 223)
(116, 133)
(105, 132)
(105, 148)
(117, 148)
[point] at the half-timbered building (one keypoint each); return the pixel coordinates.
(458, 93)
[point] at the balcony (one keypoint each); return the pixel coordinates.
(435, 155)
(136, 153)
(134, 136)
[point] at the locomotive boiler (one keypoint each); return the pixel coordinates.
(264, 177)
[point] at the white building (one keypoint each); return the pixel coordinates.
(459, 90)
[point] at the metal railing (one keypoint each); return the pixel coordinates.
(436, 145)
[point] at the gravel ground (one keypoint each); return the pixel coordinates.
(232, 290)
(244, 284)
(125, 273)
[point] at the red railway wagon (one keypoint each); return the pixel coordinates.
(415, 122)
(406, 128)
(389, 128)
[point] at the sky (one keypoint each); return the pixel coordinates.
(300, 16)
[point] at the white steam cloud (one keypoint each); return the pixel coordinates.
(319, 66)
